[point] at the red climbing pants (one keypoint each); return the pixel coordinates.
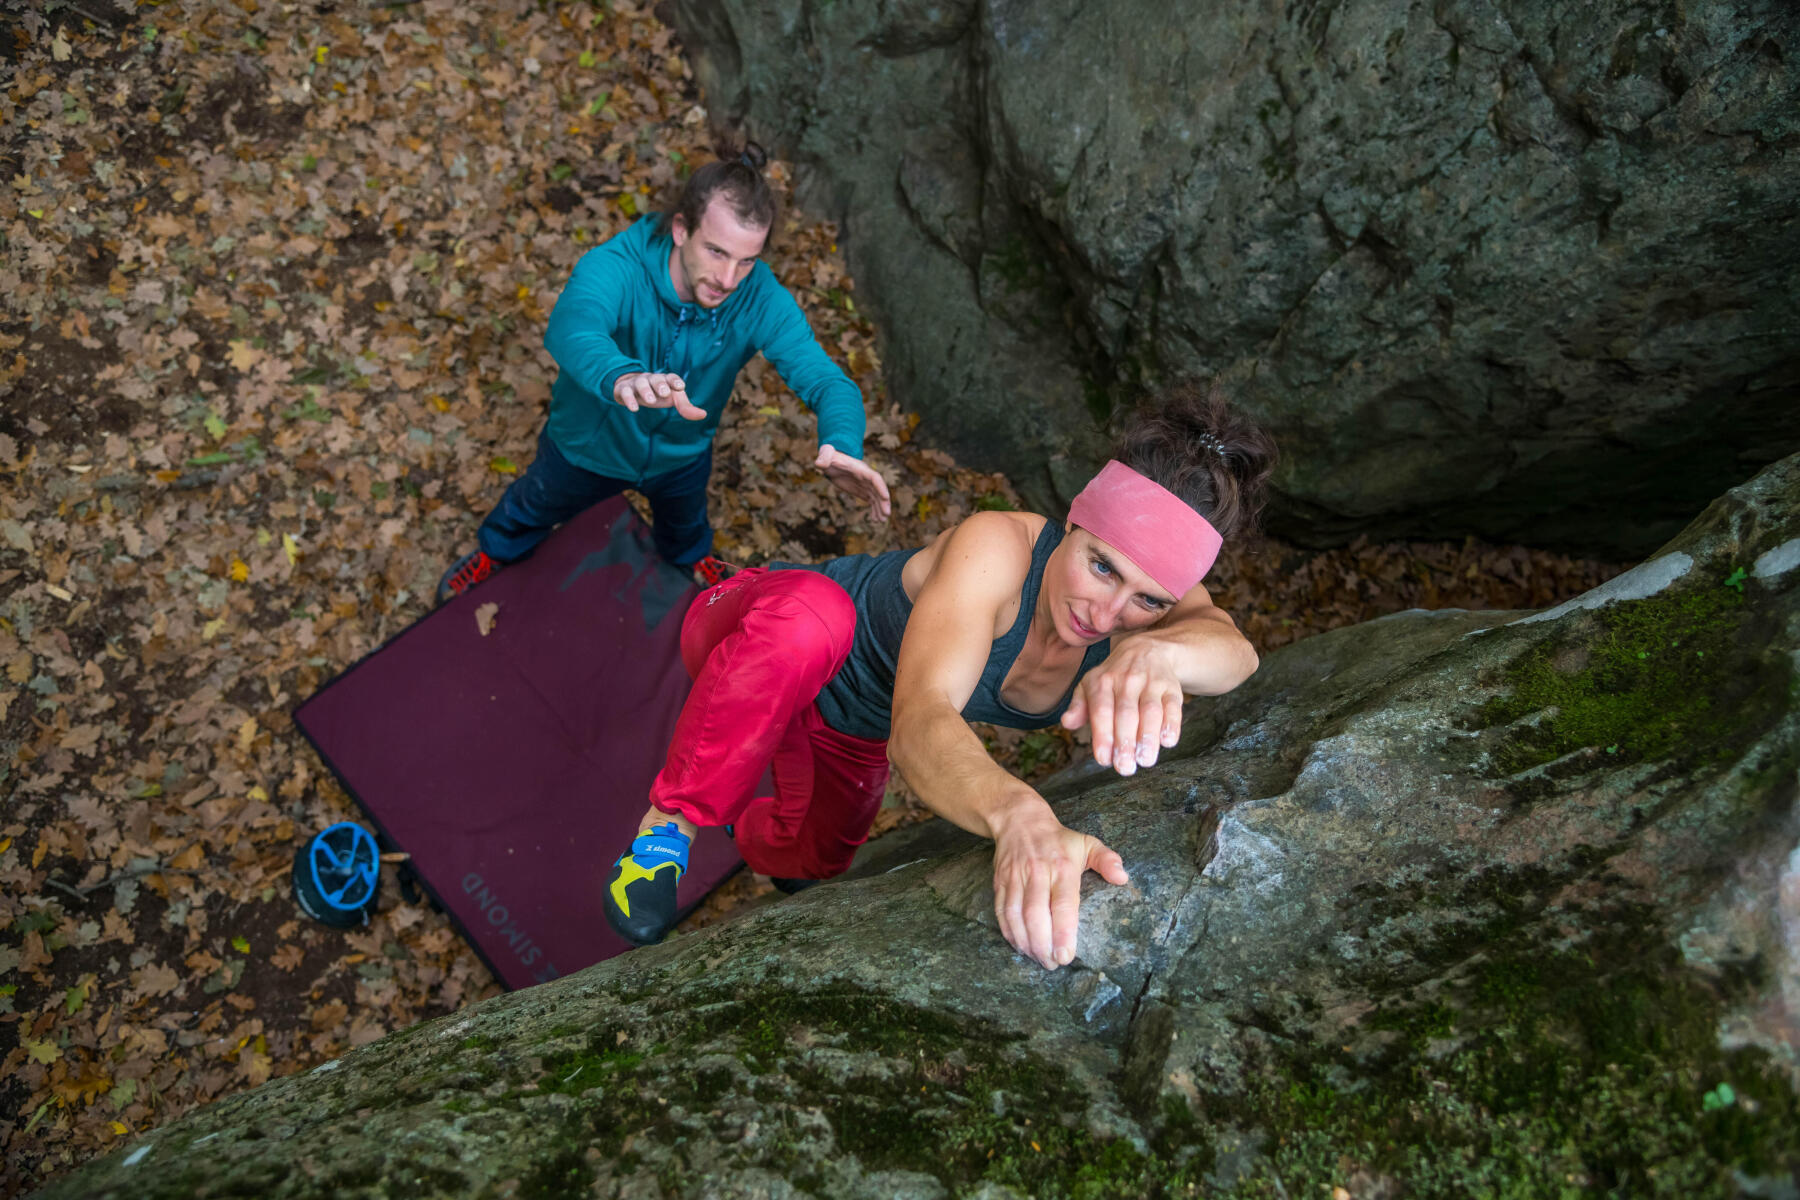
(760, 646)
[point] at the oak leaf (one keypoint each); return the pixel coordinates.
(85, 1086)
(115, 928)
(153, 980)
(32, 954)
(255, 1067)
(16, 535)
(82, 739)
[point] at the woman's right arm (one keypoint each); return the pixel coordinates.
(1038, 862)
(978, 570)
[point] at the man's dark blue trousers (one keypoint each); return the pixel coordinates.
(553, 489)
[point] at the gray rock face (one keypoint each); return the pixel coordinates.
(1519, 268)
(1446, 904)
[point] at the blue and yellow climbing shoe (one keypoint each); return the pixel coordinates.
(640, 895)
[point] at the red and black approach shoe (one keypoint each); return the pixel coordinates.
(709, 571)
(465, 573)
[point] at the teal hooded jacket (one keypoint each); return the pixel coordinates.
(620, 314)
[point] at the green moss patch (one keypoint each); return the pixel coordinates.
(576, 1071)
(953, 1099)
(1001, 1119)
(1542, 1071)
(1675, 676)
(902, 1088)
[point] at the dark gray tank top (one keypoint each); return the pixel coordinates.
(859, 699)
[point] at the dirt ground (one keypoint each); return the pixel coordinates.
(275, 278)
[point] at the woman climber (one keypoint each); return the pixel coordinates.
(824, 672)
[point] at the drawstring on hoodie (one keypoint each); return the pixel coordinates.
(684, 316)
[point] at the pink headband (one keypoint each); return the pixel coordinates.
(1150, 525)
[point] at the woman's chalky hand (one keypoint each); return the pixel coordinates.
(1133, 702)
(1038, 864)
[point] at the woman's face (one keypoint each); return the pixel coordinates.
(1093, 591)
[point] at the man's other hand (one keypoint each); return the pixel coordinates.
(855, 478)
(649, 389)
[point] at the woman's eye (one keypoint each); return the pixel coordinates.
(1102, 567)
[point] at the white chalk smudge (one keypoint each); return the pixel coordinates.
(1645, 579)
(1772, 564)
(1245, 856)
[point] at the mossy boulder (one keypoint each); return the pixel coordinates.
(1512, 267)
(1448, 904)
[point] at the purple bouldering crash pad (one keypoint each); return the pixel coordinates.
(513, 767)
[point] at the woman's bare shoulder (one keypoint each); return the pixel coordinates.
(992, 537)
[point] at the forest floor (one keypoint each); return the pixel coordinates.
(275, 278)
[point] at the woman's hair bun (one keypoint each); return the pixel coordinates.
(1188, 438)
(752, 156)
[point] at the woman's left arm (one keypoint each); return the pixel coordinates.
(1133, 699)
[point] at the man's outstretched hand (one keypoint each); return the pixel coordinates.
(649, 389)
(1038, 864)
(855, 478)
